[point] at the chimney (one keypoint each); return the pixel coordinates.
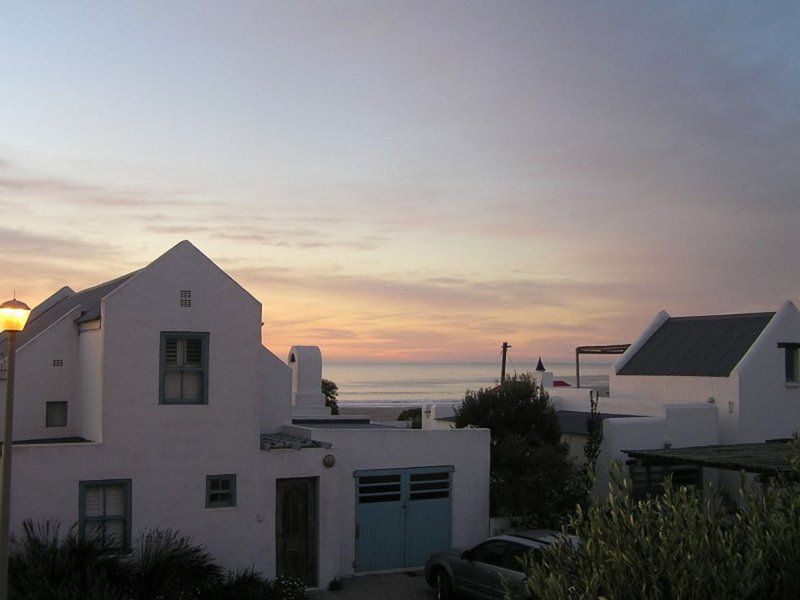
(307, 397)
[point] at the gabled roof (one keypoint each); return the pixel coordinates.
(88, 299)
(707, 346)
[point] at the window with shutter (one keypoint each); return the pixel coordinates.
(105, 514)
(184, 368)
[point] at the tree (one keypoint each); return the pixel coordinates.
(594, 439)
(531, 474)
(682, 544)
(412, 414)
(331, 392)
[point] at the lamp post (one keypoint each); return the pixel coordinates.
(13, 316)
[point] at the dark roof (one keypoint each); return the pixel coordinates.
(709, 346)
(540, 365)
(765, 458)
(73, 439)
(88, 300)
(576, 421)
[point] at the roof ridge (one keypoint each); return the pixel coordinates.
(110, 281)
(724, 316)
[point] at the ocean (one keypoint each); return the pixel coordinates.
(397, 384)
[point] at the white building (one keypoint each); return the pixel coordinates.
(701, 381)
(149, 401)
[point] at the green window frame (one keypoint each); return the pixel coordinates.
(104, 514)
(220, 491)
(791, 361)
(183, 367)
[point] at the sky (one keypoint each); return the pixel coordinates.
(411, 181)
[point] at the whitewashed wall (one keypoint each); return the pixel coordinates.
(682, 426)
(38, 381)
(769, 408)
(168, 450)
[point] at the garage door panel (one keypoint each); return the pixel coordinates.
(403, 515)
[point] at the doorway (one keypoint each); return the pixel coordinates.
(296, 528)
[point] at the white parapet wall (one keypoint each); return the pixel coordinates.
(681, 426)
(433, 415)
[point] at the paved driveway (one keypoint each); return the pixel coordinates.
(393, 586)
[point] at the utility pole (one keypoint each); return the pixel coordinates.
(504, 348)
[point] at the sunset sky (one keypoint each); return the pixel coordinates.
(411, 180)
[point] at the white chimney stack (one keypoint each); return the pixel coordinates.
(307, 397)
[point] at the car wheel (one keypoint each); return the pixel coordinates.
(444, 589)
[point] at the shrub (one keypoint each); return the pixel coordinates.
(288, 588)
(412, 414)
(241, 585)
(168, 565)
(678, 545)
(46, 565)
(531, 473)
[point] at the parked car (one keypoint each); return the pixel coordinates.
(479, 571)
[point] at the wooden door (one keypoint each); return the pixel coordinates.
(296, 529)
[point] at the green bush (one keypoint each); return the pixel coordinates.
(165, 564)
(412, 414)
(531, 473)
(678, 545)
(46, 565)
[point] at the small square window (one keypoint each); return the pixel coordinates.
(220, 491)
(55, 414)
(57, 362)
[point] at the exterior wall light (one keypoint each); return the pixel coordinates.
(329, 460)
(13, 316)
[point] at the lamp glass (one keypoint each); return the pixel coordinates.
(13, 315)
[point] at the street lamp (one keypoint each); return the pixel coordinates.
(13, 316)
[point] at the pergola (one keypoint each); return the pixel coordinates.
(609, 349)
(767, 458)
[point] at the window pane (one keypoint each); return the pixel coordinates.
(194, 352)
(93, 502)
(55, 414)
(172, 385)
(171, 350)
(115, 534)
(491, 553)
(115, 501)
(192, 386)
(791, 364)
(93, 532)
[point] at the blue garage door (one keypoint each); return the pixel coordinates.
(402, 516)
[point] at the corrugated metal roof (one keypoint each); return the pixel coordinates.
(708, 346)
(765, 458)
